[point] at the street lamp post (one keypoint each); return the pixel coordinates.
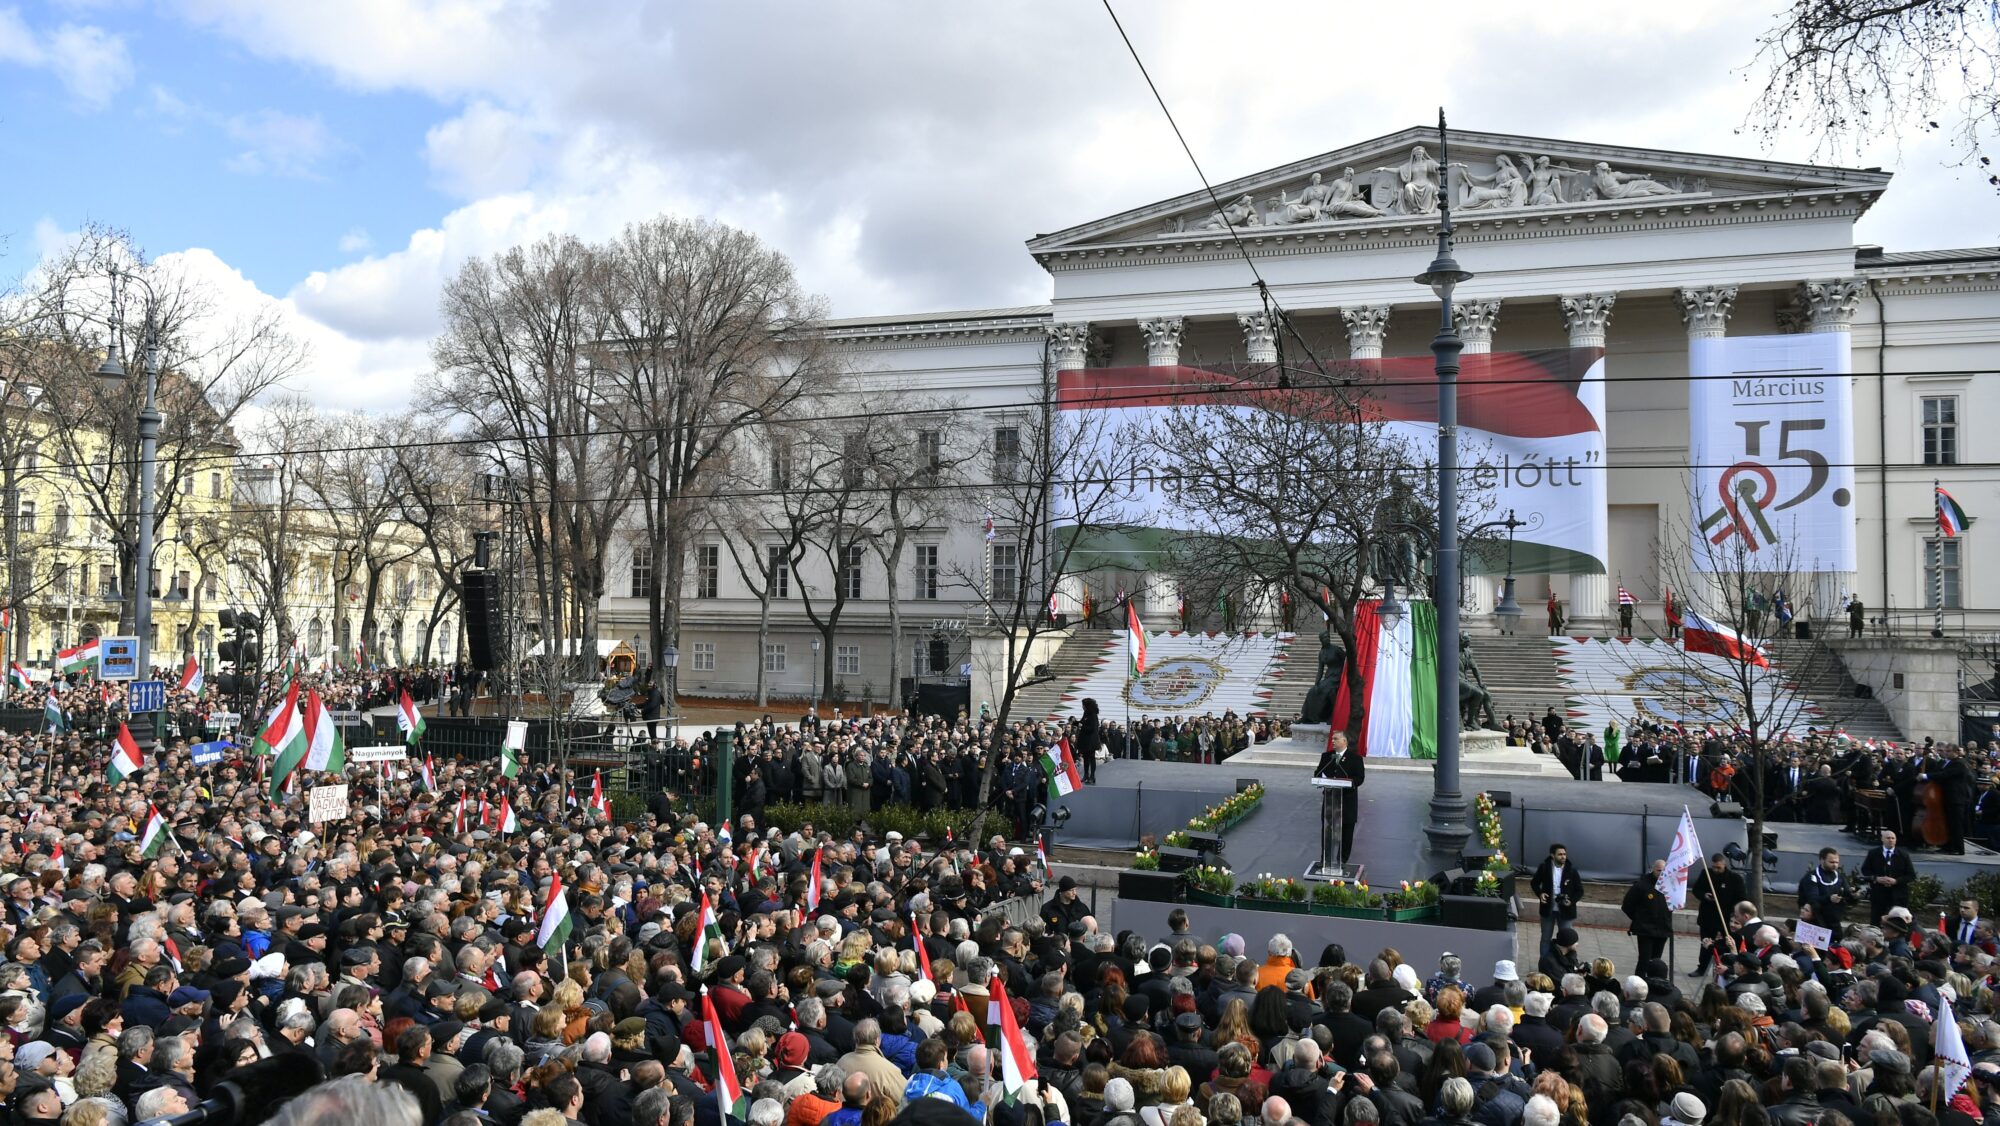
(815, 698)
(1509, 611)
(1446, 830)
(149, 439)
(670, 658)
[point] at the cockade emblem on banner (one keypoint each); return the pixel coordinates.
(1679, 695)
(1748, 489)
(1175, 684)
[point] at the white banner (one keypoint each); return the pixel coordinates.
(1771, 429)
(395, 752)
(326, 803)
(517, 736)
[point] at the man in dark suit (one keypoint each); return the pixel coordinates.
(1888, 871)
(1557, 889)
(1342, 761)
(1954, 779)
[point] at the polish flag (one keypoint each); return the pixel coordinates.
(1699, 635)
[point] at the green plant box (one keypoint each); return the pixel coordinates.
(1210, 898)
(1283, 906)
(1412, 914)
(1346, 912)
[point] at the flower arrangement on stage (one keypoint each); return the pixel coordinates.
(1499, 865)
(1211, 878)
(1227, 812)
(1413, 893)
(1347, 894)
(1146, 861)
(1487, 885)
(1282, 889)
(1486, 817)
(1177, 839)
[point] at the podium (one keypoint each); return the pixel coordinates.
(1332, 863)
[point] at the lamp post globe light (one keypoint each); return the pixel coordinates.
(1446, 829)
(815, 696)
(113, 370)
(670, 659)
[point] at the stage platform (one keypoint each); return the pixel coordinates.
(1613, 829)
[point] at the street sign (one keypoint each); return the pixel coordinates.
(117, 658)
(146, 696)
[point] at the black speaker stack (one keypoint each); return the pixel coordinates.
(485, 624)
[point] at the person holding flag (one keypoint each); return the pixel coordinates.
(18, 679)
(191, 678)
(409, 719)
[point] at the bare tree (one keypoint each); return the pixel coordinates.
(269, 522)
(761, 542)
(361, 497)
(913, 479)
(212, 367)
(1848, 71)
(436, 484)
(706, 332)
(832, 513)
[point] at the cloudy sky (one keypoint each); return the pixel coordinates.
(341, 159)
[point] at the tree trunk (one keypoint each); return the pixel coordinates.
(763, 644)
(895, 625)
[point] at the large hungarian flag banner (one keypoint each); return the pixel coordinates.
(1398, 669)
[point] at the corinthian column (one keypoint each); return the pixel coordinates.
(1163, 340)
(1071, 339)
(1476, 320)
(1588, 318)
(1366, 326)
(1260, 336)
(1705, 310)
(1829, 306)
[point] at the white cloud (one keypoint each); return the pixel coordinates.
(91, 63)
(355, 241)
(280, 144)
(484, 151)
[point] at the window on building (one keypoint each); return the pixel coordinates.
(927, 570)
(59, 576)
(34, 459)
(930, 455)
(1940, 429)
(850, 571)
(701, 656)
(642, 572)
(187, 484)
(853, 459)
(1006, 570)
(62, 520)
(315, 638)
(707, 570)
(206, 635)
(107, 580)
(774, 656)
(209, 586)
(27, 516)
(847, 660)
(183, 585)
(1006, 453)
(781, 463)
(1943, 561)
(777, 571)
(215, 486)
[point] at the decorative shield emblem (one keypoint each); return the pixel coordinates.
(1175, 684)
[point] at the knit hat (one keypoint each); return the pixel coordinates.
(1118, 1094)
(1688, 1109)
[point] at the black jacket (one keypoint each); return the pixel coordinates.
(1567, 896)
(1647, 908)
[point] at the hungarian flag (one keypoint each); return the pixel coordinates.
(555, 927)
(284, 737)
(1699, 635)
(1625, 597)
(812, 884)
(1052, 605)
(1672, 612)
(598, 800)
(52, 713)
(430, 775)
(57, 858)
(18, 679)
(728, 1089)
(1042, 855)
(1061, 769)
(325, 749)
(125, 760)
(1017, 1063)
(81, 658)
(154, 835)
(1135, 642)
(706, 928)
(508, 822)
(191, 676)
(1398, 663)
(409, 720)
(512, 746)
(1951, 519)
(6, 621)
(458, 818)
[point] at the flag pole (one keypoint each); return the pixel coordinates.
(1937, 571)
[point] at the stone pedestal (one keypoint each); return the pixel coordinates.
(1310, 737)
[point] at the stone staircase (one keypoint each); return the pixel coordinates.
(1520, 672)
(1288, 694)
(1075, 657)
(1823, 678)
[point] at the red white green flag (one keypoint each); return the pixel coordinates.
(508, 822)
(1017, 1063)
(409, 719)
(125, 759)
(155, 833)
(18, 679)
(812, 885)
(706, 928)
(555, 928)
(1060, 766)
(728, 1089)
(1135, 642)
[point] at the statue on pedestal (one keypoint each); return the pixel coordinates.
(1325, 691)
(1474, 701)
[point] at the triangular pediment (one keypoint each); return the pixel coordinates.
(1397, 180)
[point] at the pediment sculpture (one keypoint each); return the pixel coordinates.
(1417, 184)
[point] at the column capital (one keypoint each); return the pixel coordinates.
(1071, 340)
(1588, 317)
(1705, 309)
(1366, 326)
(1163, 340)
(1260, 336)
(1829, 303)
(1475, 321)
